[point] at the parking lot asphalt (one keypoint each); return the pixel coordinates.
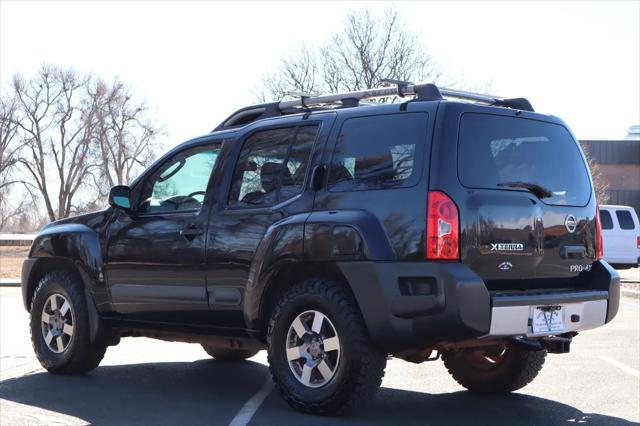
(148, 382)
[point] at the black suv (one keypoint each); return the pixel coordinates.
(333, 232)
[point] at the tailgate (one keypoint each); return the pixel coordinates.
(531, 214)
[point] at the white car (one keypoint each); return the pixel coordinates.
(621, 235)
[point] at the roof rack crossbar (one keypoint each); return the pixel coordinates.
(397, 89)
(421, 91)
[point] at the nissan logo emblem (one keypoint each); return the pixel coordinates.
(571, 223)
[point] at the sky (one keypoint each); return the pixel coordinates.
(194, 63)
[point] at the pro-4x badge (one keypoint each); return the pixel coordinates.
(505, 266)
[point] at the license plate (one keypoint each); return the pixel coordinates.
(547, 319)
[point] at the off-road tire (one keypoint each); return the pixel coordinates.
(518, 368)
(81, 356)
(359, 373)
(226, 354)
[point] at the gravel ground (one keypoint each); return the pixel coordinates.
(11, 258)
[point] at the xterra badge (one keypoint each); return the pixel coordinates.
(507, 246)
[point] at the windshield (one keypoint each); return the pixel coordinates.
(507, 152)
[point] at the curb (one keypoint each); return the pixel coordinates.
(10, 282)
(632, 294)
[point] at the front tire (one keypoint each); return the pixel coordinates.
(320, 355)
(499, 369)
(59, 326)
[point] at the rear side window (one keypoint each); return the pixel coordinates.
(605, 219)
(378, 152)
(624, 219)
(272, 166)
(494, 150)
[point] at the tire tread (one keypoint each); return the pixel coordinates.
(86, 356)
(522, 368)
(366, 379)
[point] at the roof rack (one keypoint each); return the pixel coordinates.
(419, 91)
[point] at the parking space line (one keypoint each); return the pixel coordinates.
(635, 373)
(244, 416)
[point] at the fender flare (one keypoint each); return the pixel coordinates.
(281, 245)
(319, 239)
(71, 246)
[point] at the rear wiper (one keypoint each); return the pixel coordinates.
(537, 190)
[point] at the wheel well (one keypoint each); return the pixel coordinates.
(45, 265)
(291, 274)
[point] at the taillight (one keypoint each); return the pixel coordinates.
(638, 241)
(599, 247)
(443, 228)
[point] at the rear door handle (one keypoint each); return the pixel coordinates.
(190, 232)
(317, 178)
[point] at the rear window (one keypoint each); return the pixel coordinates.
(605, 219)
(495, 150)
(624, 219)
(378, 152)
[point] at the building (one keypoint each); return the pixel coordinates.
(633, 133)
(619, 164)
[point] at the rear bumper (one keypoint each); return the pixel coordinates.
(507, 321)
(409, 305)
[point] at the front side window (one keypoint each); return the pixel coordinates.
(624, 219)
(378, 152)
(272, 166)
(501, 152)
(181, 183)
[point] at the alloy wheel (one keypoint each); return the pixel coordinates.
(313, 349)
(57, 323)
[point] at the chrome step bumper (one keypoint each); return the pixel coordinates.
(512, 315)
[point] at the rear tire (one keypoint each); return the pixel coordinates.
(59, 326)
(320, 355)
(494, 369)
(226, 354)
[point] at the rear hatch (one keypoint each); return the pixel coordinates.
(529, 216)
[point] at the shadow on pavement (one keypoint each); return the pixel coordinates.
(210, 392)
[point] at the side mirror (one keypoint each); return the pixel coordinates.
(120, 197)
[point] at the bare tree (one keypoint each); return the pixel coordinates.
(9, 148)
(25, 217)
(55, 125)
(297, 72)
(72, 137)
(601, 187)
(368, 49)
(124, 133)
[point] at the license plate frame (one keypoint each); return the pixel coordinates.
(547, 319)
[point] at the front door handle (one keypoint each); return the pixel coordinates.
(190, 232)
